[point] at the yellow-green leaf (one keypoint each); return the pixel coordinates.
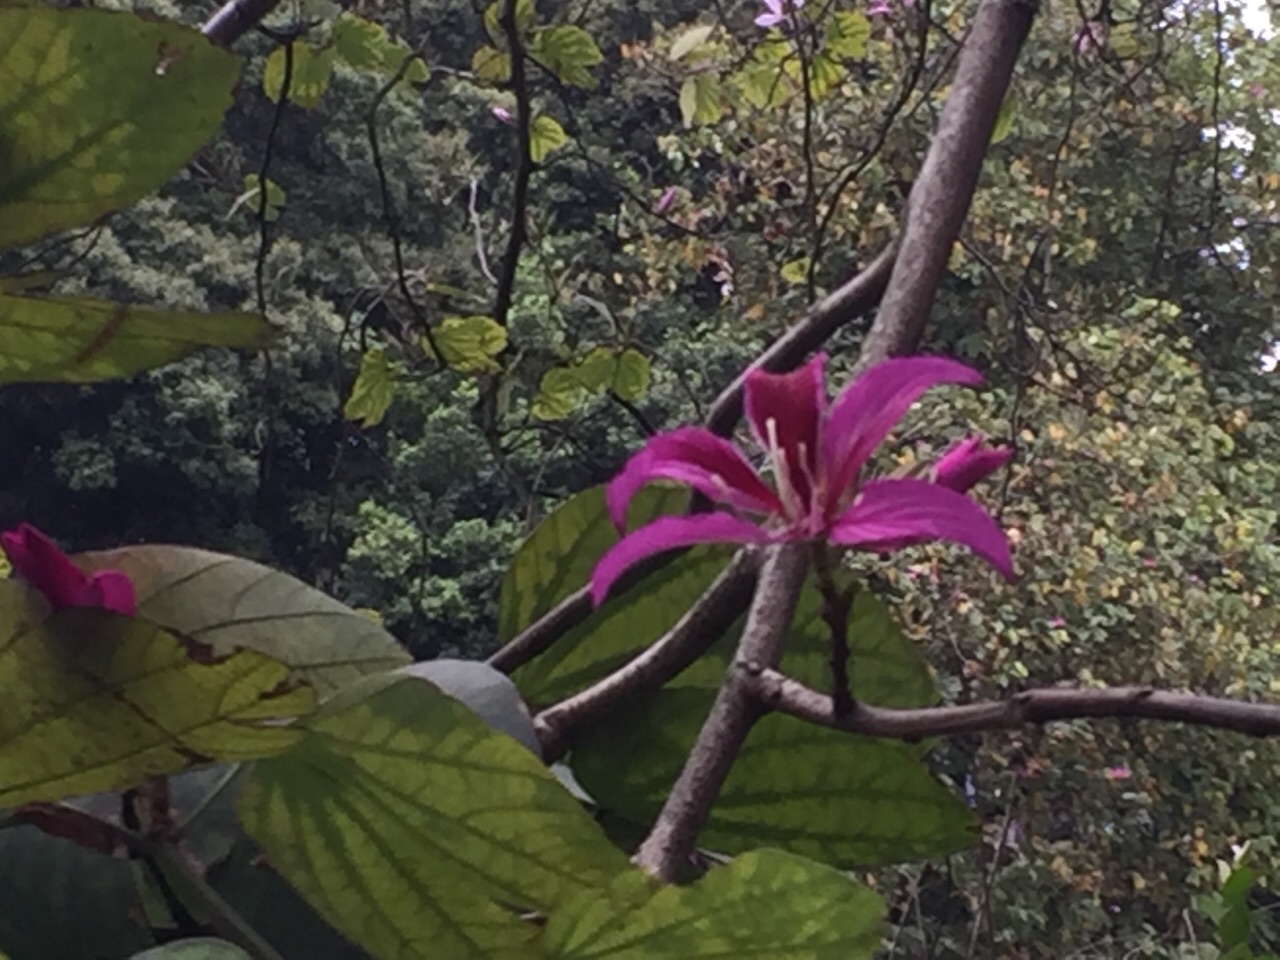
(525, 15)
(232, 603)
(418, 830)
(559, 393)
(847, 34)
(1004, 119)
(545, 135)
(251, 199)
(690, 40)
(825, 75)
(308, 75)
(96, 701)
(365, 45)
(631, 382)
(700, 99)
(765, 904)
(471, 344)
(568, 52)
(97, 109)
(374, 389)
(795, 271)
(79, 340)
(491, 65)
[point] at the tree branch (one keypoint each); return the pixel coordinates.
(942, 193)
(524, 165)
(234, 19)
(667, 849)
(784, 695)
(703, 624)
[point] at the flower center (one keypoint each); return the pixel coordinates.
(787, 491)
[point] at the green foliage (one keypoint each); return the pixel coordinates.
(700, 100)
(568, 52)
(199, 949)
(366, 45)
(299, 72)
(545, 135)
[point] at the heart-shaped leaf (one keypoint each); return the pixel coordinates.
(764, 904)
(96, 701)
(97, 109)
(417, 830)
(487, 692)
(228, 602)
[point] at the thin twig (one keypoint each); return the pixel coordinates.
(234, 19)
(1030, 707)
(666, 850)
(478, 230)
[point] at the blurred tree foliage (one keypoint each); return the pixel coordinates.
(1117, 279)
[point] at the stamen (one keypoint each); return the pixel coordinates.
(781, 470)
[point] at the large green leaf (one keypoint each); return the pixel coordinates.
(98, 109)
(228, 602)
(557, 558)
(486, 692)
(81, 340)
(96, 701)
(764, 904)
(545, 135)
(416, 829)
(308, 73)
(816, 792)
(471, 344)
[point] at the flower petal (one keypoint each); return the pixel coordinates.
(38, 561)
(112, 590)
(871, 406)
(967, 462)
(795, 402)
(668, 533)
(892, 514)
(708, 463)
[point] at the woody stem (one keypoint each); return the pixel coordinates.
(836, 604)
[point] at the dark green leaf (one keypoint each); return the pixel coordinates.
(568, 52)
(200, 948)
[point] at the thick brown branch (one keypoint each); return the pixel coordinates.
(781, 693)
(667, 849)
(942, 193)
(703, 624)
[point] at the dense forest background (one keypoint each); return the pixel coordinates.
(1117, 281)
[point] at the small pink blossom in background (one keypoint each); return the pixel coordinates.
(818, 451)
(1056, 623)
(1149, 562)
(665, 201)
(879, 8)
(778, 12)
(503, 115)
(1090, 38)
(1257, 90)
(37, 560)
(1120, 772)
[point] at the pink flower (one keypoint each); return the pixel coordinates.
(817, 454)
(879, 8)
(778, 12)
(43, 566)
(1121, 772)
(665, 201)
(967, 462)
(1055, 623)
(503, 115)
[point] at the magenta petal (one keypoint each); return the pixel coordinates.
(796, 402)
(38, 561)
(112, 590)
(669, 533)
(967, 462)
(891, 514)
(872, 405)
(708, 463)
